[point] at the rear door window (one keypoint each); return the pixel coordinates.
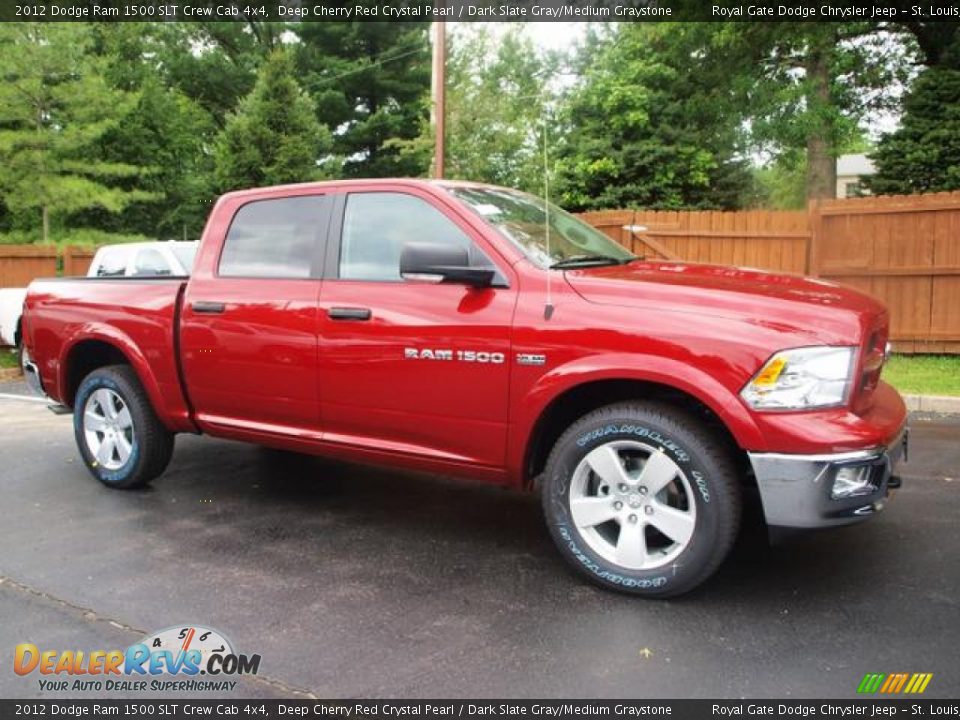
(277, 238)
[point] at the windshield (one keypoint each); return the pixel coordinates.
(522, 219)
(185, 252)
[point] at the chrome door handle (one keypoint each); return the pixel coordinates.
(349, 313)
(204, 306)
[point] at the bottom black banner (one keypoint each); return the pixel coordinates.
(177, 708)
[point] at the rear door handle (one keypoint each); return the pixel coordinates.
(203, 306)
(349, 313)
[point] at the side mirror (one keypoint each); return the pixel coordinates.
(431, 262)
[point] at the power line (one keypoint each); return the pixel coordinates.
(374, 64)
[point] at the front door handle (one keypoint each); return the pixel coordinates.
(349, 313)
(203, 306)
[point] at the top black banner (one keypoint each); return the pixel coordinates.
(476, 11)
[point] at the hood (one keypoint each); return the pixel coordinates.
(816, 311)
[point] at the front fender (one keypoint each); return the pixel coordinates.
(665, 371)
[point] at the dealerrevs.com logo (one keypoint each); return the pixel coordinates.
(186, 658)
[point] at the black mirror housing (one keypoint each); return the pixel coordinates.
(433, 262)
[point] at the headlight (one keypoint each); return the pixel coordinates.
(801, 378)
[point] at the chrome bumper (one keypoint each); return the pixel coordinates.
(797, 490)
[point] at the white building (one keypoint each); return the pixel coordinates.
(850, 171)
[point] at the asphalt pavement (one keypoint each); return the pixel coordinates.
(352, 581)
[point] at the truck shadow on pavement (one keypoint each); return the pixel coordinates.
(293, 510)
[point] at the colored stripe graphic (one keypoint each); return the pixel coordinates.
(870, 683)
(901, 682)
(918, 683)
(894, 683)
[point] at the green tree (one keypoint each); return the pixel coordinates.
(55, 106)
(642, 129)
(804, 86)
(370, 81)
(923, 154)
(215, 64)
(168, 134)
(495, 108)
(274, 136)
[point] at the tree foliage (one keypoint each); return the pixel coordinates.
(274, 136)
(496, 105)
(55, 108)
(923, 154)
(370, 82)
(806, 86)
(644, 129)
(130, 129)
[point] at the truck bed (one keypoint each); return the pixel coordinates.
(138, 315)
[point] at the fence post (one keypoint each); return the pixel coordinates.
(815, 226)
(67, 267)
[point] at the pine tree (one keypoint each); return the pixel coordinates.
(640, 130)
(923, 154)
(370, 80)
(274, 136)
(55, 106)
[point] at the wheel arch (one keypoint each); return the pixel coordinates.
(556, 405)
(84, 354)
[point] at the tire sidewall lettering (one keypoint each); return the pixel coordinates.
(567, 535)
(654, 580)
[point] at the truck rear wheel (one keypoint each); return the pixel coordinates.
(123, 443)
(641, 498)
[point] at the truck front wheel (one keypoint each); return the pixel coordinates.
(642, 498)
(123, 443)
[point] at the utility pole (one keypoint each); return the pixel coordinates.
(438, 109)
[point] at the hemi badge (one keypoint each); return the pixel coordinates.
(531, 359)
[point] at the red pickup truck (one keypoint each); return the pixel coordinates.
(476, 331)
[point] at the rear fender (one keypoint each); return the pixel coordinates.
(172, 412)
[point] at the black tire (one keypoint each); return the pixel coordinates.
(152, 443)
(18, 339)
(712, 484)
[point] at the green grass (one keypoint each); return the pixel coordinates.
(8, 358)
(924, 374)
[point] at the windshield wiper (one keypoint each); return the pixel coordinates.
(589, 260)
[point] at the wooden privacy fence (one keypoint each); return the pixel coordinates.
(903, 249)
(19, 264)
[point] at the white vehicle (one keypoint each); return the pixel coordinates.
(170, 258)
(11, 305)
(146, 258)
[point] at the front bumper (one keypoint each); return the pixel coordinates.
(797, 490)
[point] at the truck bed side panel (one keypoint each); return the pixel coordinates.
(136, 316)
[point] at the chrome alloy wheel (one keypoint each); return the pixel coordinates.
(632, 505)
(108, 428)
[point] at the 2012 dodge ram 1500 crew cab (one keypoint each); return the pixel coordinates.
(475, 331)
